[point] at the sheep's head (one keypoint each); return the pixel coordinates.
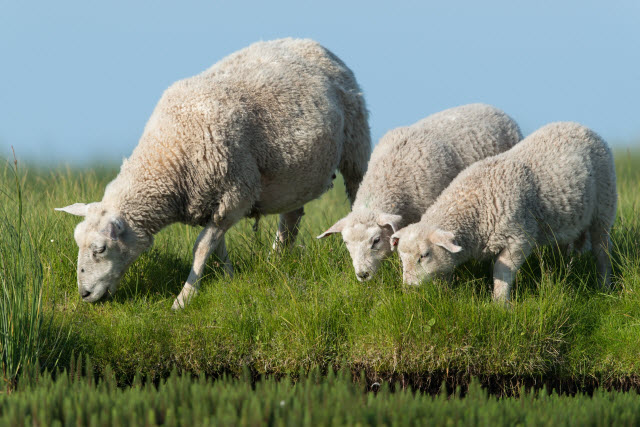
(366, 234)
(107, 246)
(425, 252)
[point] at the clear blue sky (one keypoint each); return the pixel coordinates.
(78, 79)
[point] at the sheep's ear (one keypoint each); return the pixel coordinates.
(390, 220)
(394, 240)
(335, 228)
(114, 229)
(78, 209)
(446, 239)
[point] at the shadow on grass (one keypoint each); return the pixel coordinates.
(161, 273)
(157, 274)
(577, 269)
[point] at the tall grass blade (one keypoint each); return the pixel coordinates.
(22, 320)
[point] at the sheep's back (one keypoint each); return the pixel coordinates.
(412, 165)
(574, 176)
(549, 188)
(268, 119)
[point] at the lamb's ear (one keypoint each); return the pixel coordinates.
(394, 240)
(335, 228)
(391, 220)
(114, 229)
(79, 209)
(446, 239)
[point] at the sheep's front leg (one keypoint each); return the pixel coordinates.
(209, 239)
(505, 268)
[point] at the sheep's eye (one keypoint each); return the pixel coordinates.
(99, 250)
(423, 256)
(375, 241)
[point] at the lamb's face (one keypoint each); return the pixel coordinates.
(366, 235)
(368, 244)
(107, 246)
(425, 253)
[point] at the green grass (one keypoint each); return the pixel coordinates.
(332, 399)
(25, 333)
(305, 309)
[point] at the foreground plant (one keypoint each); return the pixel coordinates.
(77, 397)
(22, 319)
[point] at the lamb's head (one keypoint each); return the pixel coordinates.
(107, 246)
(425, 252)
(366, 234)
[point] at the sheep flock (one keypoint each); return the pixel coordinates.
(266, 129)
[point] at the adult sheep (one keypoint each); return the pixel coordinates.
(409, 168)
(260, 132)
(557, 186)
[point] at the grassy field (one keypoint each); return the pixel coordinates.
(305, 309)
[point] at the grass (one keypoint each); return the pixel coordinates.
(25, 329)
(315, 399)
(304, 309)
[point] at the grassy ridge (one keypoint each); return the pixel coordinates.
(313, 400)
(305, 309)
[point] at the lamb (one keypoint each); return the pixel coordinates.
(409, 168)
(260, 132)
(557, 186)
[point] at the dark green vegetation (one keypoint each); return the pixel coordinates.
(305, 309)
(334, 399)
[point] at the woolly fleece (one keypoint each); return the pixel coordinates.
(557, 186)
(260, 132)
(410, 167)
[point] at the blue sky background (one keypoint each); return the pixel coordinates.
(78, 79)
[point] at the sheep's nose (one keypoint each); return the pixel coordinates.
(364, 275)
(85, 294)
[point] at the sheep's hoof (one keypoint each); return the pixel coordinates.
(184, 298)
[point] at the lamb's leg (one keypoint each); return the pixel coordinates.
(583, 242)
(601, 246)
(208, 240)
(288, 228)
(506, 267)
(578, 246)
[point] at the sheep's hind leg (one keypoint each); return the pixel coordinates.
(288, 228)
(505, 268)
(223, 256)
